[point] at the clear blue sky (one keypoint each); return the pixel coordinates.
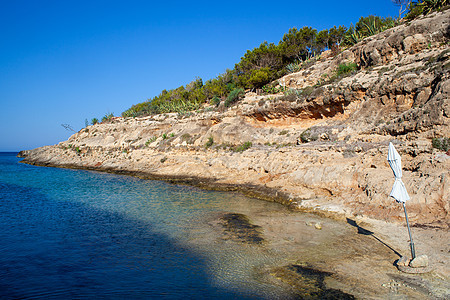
(62, 62)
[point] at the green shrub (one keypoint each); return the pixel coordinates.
(164, 136)
(180, 100)
(243, 147)
(215, 101)
(307, 91)
(414, 10)
(139, 110)
(210, 142)
(295, 92)
(307, 136)
(353, 36)
(424, 7)
(108, 117)
(441, 143)
(344, 69)
(94, 121)
(367, 26)
(273, 88)
(294, 66)
(150, 140)
(259, 77)
(259, 66)
(234, 96)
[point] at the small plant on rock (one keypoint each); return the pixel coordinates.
(210, 142)
(234, 96)
(243, 147)
(215, 101)
(108, 117)
(307, 136)
(441, 143)
(150, 140)
(344, 69)
(294, 66)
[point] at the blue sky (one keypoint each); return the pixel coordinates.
(62, 62)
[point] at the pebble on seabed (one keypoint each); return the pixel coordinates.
(316, 225)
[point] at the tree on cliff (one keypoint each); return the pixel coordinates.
(298, 44)
(403, 6)
(259, 66)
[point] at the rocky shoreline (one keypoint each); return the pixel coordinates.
(321, 148)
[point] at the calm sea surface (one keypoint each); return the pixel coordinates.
(70, 234)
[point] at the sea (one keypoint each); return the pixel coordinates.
(78, 234)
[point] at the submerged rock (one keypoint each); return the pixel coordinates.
(308, 282)
(237, 227)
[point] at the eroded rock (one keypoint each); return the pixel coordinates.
(420, 261)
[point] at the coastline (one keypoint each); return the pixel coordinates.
(323, 151)
(321, 177)
(390, 238)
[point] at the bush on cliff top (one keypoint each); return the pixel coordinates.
(266, 63)
(424, 7)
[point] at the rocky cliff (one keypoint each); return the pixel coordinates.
(322, 146)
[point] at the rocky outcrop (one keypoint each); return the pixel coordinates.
(320, 147)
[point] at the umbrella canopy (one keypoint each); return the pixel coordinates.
(398, 191)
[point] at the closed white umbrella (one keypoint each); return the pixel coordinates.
(398, 191)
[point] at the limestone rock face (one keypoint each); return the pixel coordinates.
(322, 146)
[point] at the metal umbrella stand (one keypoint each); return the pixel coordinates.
(411, 243)
(398, 191)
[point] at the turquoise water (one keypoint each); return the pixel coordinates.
(81, 234)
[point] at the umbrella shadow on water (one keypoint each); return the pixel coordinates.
(364, 231)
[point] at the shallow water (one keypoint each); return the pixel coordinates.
(82, 234)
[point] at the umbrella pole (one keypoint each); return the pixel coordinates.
(411, 243)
